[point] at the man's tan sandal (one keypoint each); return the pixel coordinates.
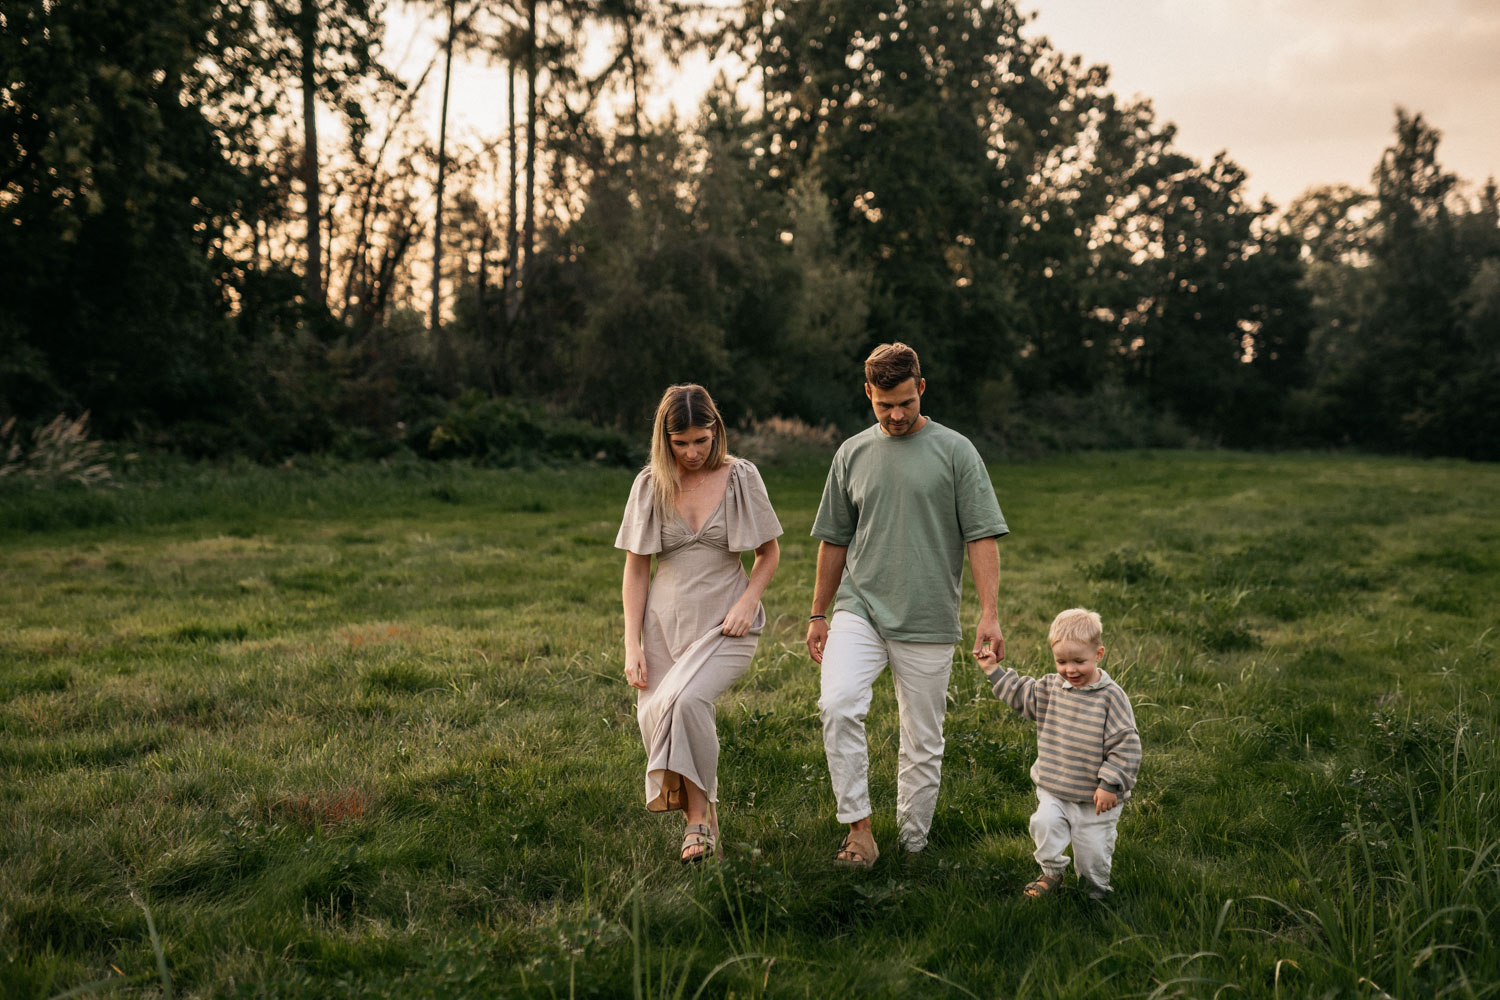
(700, 840)
(858, 850)
(1043, 885)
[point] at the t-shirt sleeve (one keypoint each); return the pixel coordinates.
(640, 528)
(747, 509)
(978, 511)
(837, 516)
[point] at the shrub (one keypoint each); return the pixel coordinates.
(781, 440)
(1124, 566)
(60, 453)
(1110, 416)
(504, 432)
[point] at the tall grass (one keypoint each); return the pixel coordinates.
(359, 731)
(1406, 905)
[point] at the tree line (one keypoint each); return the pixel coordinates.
(191, 256)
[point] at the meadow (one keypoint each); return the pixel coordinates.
(360, 731)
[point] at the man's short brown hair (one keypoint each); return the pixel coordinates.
(891, 364)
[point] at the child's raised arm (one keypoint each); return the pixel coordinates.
(1021, 693)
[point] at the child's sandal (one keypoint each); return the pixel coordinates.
(1042, 885)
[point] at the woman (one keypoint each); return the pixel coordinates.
(691, 631)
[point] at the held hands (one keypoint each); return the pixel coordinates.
(739, 619)
(988, 634)
(1104, 800)
(635, 667)
(988, 661)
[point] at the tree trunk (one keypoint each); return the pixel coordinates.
(360, 277)
(307, 29)
(635, 98)
(512, 225)
(329, 234)
(435, 323)
(529, 243)
(481, 316)
(447, 359)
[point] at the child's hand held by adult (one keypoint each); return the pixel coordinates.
(987, 636)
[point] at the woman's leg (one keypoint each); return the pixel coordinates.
(698, 810)
(695, 803)
(693, 738)
(682, 742)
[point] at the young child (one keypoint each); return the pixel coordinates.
(1088, 751)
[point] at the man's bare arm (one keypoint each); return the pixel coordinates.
(831, 559)
(984, 564)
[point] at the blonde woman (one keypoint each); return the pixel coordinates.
(691, 630)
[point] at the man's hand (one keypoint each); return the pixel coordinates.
(831, 560)
(1104, 800)
(988, 633)
(817, 638)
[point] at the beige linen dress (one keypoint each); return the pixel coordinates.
(689, 662)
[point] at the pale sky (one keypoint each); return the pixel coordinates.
(1300, 92)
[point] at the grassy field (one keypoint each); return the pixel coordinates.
(361, 731)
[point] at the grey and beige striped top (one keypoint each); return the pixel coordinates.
(1086, 737)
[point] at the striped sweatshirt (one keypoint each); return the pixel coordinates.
(1086, 737)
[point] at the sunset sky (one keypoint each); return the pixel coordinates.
(1300, 92)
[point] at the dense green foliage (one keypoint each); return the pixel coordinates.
(360, 730)
(118, 190)
(1409, 338)
(183, 258)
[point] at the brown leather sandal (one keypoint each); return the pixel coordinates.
(1042, 885)
(698, 838)
(858, 850)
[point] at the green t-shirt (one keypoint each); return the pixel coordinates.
(906, 507)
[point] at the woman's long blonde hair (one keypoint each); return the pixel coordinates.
(681, 407)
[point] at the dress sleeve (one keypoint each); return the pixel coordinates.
(640, 528)
(747, 509)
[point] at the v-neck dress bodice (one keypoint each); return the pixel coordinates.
(689, 662)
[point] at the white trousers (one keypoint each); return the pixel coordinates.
(1057, 821)
(854, 656)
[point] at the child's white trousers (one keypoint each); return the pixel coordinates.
(1056, 821)
(853, 658)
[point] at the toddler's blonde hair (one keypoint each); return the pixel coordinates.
(1076, 625)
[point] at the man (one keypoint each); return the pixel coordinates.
(904, 502)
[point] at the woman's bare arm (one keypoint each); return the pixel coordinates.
(633, 591)
(742, 615)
